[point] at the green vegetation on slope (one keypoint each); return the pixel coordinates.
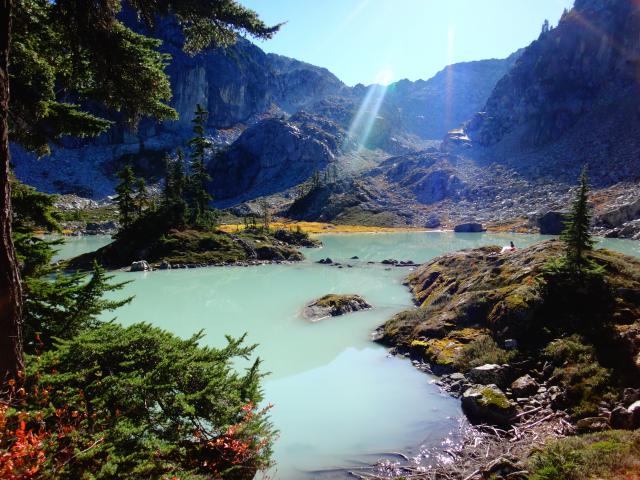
(609, 455)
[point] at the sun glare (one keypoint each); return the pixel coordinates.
(364, 121)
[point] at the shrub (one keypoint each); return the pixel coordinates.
(607, 456)
(151, 404)
(584, 381)
(483, 350)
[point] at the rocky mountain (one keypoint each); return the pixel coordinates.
(274, 155)
(572, 98)
(240, 87)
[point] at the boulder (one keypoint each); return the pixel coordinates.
(552, 223)
(592, 424)
(165, 266)
(619, 215)
(489, 374)
(325, 261)
(140, 266)
(333, 305)
(621, 418)
(432, 222)
(469, 228)
(634, 409)
(524, 386)
(488, 404)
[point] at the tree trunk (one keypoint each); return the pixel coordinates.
(11, 360)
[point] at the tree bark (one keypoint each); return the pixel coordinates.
(11, 358)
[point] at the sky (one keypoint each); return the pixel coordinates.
(367, 41)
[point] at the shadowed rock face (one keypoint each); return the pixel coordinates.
(571, 98)
(269, 157)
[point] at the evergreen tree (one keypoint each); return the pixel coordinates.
(126, 196)
(576, 235)
(266, 214)
(57, 50)
(175, 206)
(55, 305)
(199, 177)
(142, 196)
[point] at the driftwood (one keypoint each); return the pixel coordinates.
(477, 450)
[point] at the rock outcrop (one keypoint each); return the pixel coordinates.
(269, 157)
(571, 99)
(504, 319)
(333, 305)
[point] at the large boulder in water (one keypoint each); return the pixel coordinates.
(552, 222)
(140, 266)
(470, 227)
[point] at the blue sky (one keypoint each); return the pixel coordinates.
(363, 41)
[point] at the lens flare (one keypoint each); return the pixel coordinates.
(364, 120)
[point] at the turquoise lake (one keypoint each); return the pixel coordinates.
(340, 400)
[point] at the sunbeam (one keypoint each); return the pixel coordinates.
(365, 118)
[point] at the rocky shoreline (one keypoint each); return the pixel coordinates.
(518, 405)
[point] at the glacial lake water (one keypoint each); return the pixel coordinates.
(339, 401)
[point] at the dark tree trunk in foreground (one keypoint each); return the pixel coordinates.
(11, 361)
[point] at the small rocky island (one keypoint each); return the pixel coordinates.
(333, 305)
(198, 248)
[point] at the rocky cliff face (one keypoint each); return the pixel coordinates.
(572, 98)
(271, 156)
(241, 86)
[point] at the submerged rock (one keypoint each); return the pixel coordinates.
(333, 305)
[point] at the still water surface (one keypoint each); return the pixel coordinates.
(339, 399)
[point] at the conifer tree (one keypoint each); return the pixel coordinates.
(576, 235)
(175, 205)
(142, 196)
(199, 177)
(126, 196)
(73, 49)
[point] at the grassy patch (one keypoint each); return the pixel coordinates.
(483, 350)
(604, 456)
(580, 375)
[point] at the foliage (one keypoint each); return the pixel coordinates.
(483, 350)
(125, 198)
(141, 197)
(199, 178)
(576, 236)
(55, 304)
(32, 209)
(577, 371)
(65, 305)
(608, 456)
(155, 404)
(67, 54)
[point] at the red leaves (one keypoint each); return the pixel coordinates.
(28, 442)
(237, 446)
(22, 452)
